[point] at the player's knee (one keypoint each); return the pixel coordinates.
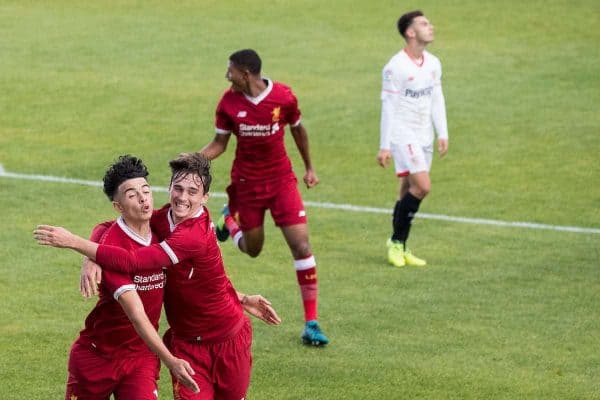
(301, 250)
(421, 191)
(253, 251)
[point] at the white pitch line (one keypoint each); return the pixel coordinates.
(335, 206)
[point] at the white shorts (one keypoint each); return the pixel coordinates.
(411, 158)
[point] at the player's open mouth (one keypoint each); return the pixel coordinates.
(181, 206)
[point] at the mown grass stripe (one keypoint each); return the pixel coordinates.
(335, 206)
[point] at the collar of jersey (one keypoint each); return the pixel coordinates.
(134, 236)
(173, 225)
(256, 100)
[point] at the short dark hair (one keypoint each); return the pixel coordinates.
(247, 59)
(191, 163)
(124, 168)
(407, 19)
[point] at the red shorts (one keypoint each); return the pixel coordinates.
(222, 370)
(248, 202)
(94, 376)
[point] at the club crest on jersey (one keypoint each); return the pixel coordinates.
(276, 113)
(242, 114)
(387, 75)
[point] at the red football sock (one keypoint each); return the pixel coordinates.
(234, 230)
(231, 225)
(306, 272)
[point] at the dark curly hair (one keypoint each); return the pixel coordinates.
(191, 163)
(126, 167)
(407, 19)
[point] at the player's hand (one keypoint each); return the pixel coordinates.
(310, 178)
(260, 307)
(55, 236)
(183, 371)
(442, 147)
(90, 278)
(383, 157)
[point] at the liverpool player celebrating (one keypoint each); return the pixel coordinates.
(412, 103)
(256, 111)
(207, 324)
(109, 357)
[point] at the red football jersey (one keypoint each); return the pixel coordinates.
(200, 301)
(259, 125)
(107, 327)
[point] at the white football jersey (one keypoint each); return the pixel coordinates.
(412, 101)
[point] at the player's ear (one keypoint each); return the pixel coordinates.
(117, 206)
(247, 74)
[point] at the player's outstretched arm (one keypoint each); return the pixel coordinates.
(56, 236)
(134, 308)
(110, 257)
(259, 307)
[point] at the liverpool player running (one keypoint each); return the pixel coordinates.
(256, 111)
(207, 324)
(412, 103)
(109, 357)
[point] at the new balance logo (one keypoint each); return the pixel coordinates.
(242, 114)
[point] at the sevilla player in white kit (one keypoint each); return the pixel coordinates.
(256, 111)
(412, 104)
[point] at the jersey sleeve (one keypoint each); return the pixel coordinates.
(223, 122)
(179, 246)
(438, 107)
(389, 93)
(292, 111)
(182, 244)
(114, 258)
(99, 231)
(117, 283)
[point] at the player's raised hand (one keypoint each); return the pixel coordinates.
(55, 236)
(90, 278)
(383, 157)
(310, 178)
(260, 307)
(183, 371)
